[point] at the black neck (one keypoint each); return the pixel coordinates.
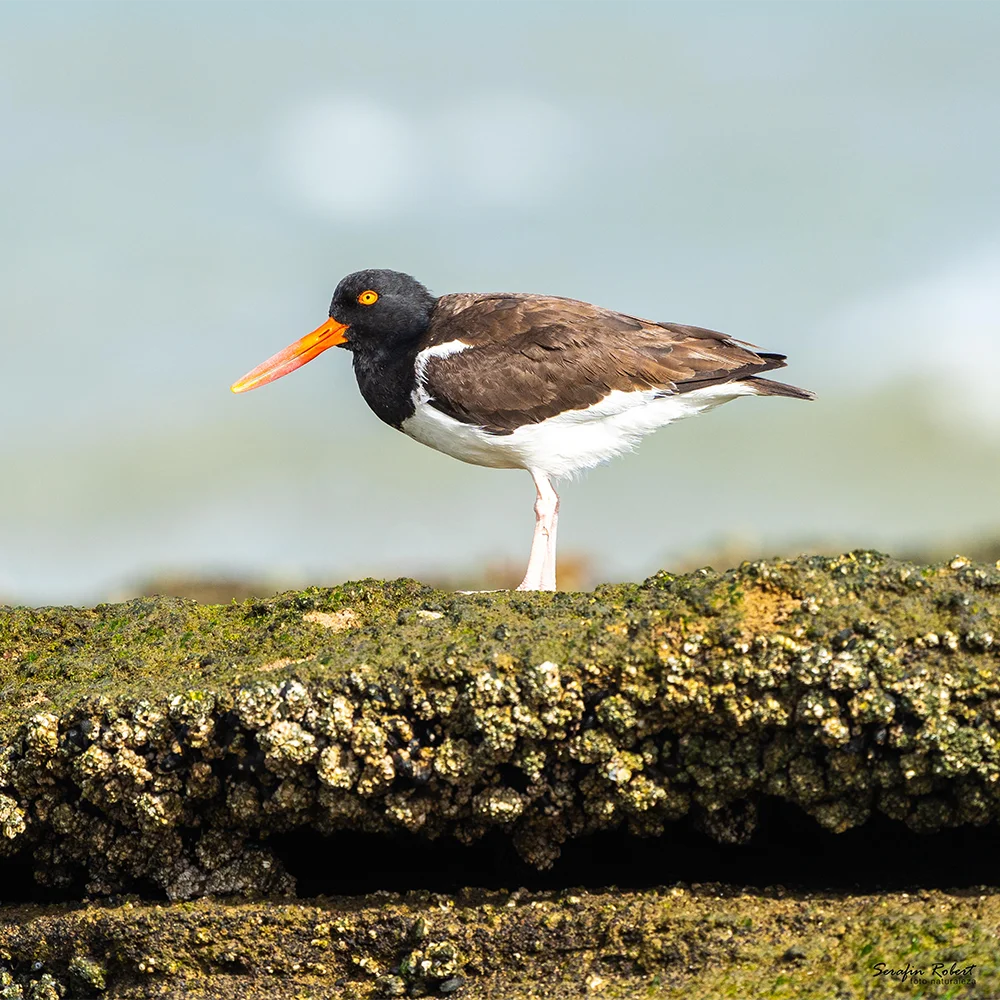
(387, 379)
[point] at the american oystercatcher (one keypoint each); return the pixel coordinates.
(519, 381)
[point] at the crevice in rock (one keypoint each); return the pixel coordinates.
(787, 849)
(18, 884)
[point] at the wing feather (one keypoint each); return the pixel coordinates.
(533, 356)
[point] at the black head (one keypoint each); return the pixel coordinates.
(381, 308)
(379, 315)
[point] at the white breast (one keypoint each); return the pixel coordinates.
(566, 443)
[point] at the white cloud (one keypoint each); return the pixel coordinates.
(507, 149)
(349, 158)
(944, 326)
(353, 159)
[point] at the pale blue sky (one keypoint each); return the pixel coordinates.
(186, 182)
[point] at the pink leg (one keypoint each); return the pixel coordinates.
(541, 571)
(549, 569)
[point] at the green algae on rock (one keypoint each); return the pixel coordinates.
(704, 940)
(166, 740)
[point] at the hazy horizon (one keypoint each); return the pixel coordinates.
(187, 182)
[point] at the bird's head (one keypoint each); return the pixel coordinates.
(373, 308)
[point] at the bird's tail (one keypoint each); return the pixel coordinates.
(766, 387)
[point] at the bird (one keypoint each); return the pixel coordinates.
(543, 383)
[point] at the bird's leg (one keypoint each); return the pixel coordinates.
(541, 571)
(536, 561)
(549, 567)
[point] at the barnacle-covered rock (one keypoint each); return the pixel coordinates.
(287, 746)
(498, 805)
(665, 943)
(167, 741)
(12, 819)
(436, 961)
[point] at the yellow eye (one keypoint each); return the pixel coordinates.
(368, 297)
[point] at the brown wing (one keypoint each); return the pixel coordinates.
(533, 356)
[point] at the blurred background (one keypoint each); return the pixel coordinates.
(184, 184)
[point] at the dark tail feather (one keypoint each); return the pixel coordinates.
(765, 387)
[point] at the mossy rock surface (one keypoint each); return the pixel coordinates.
(694, 941)
(161, 741)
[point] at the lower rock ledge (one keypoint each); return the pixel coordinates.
(699, 940)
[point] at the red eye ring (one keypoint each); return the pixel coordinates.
(368, 297)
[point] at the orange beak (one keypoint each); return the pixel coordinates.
(310, 346)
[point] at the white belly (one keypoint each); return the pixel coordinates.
(571, 441)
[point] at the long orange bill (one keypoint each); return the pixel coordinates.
(295, 356)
